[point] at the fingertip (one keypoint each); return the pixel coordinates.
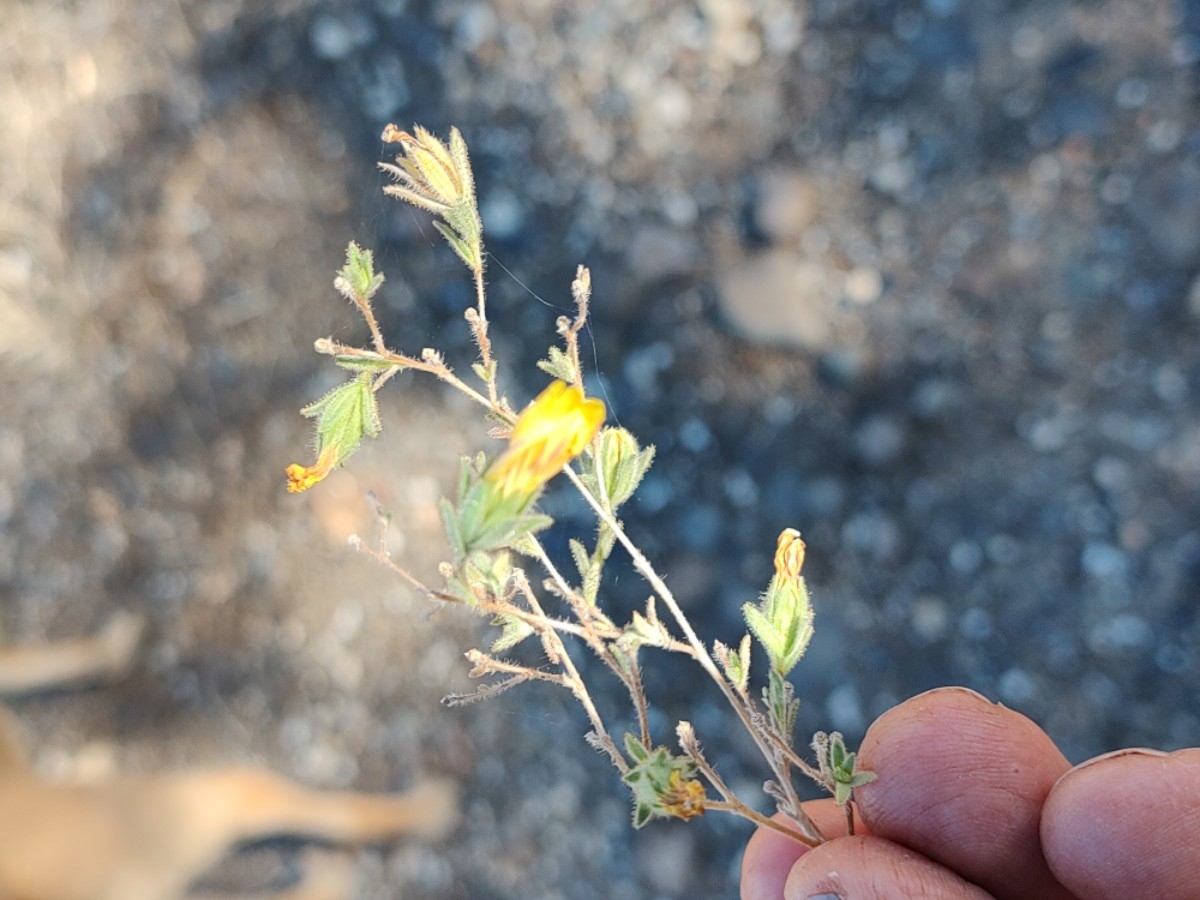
(962, 780)
(1124, 825)
(870, 868)
(768, 858)
(769, 855)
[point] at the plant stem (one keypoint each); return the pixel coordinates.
(647, 571)
(368, 314)
(439, 370)
(589, 617)
(481, 336)
(574, 679)
(748, 812)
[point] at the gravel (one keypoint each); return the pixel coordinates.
(916, 278)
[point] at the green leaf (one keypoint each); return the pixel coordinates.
(782, 621)
(641, 630)
(357, 279)
(453, 529)
(462, 164)
(364, 363)
(512, 632)
(464, 251)
(842, 793)
(764, 630)
(559, 365)
(622, 465)
(737, 663)
(526, 545)
(642, 813)
(529, 524)
(606, 539)
(345, 415)
(579, 554)
(589, 570)
(485, 373)
(780, 698)
(635, 749)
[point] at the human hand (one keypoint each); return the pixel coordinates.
(974, 801)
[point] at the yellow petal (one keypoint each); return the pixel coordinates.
(789, 554)
(301, 478)
(550, 432)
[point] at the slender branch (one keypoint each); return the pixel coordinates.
(797, 760)
(748, 812)
(647, 571)
(573, 679)
(731, 803)
(381, 556)
(637, 693)
(488, 665)
(533, 619)
(585, 612)
(589, 618)
(480, 327)
(368, 314)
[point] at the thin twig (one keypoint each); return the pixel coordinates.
(364, 307)
(732, 803)
(573, 679)
(741, 809)
(480, 328)
(533, 619)
(647, 571)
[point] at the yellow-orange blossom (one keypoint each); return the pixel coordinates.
(301, 478)
(789, 554)
(550, 432)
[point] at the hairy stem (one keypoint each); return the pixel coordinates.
(807, 827)
(589, 617)
(368, 314)
(572, 677)
(480, 327)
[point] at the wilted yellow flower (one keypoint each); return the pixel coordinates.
(437, 177)
(345, 416)
(683, 798)
(789, 554)
(782, 620)
(301, 478)
(549, 433)
(428, 173)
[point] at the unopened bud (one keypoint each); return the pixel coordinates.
(789, 554)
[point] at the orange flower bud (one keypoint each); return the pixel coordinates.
(789, 554)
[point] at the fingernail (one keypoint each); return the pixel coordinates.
(823, 897)
(1145, 752)
(1148, 752)
(957, 689)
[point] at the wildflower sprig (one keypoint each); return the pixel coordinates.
(493, 523)
(438, 178)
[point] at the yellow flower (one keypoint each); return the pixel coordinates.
(549, 433)
(683, 799)
(782, 620)
(789, 554)
(437, 177)
(301, 478)
(429, 174)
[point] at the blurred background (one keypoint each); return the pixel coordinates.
(916, 277)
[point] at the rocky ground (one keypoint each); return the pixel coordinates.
(916, 278)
